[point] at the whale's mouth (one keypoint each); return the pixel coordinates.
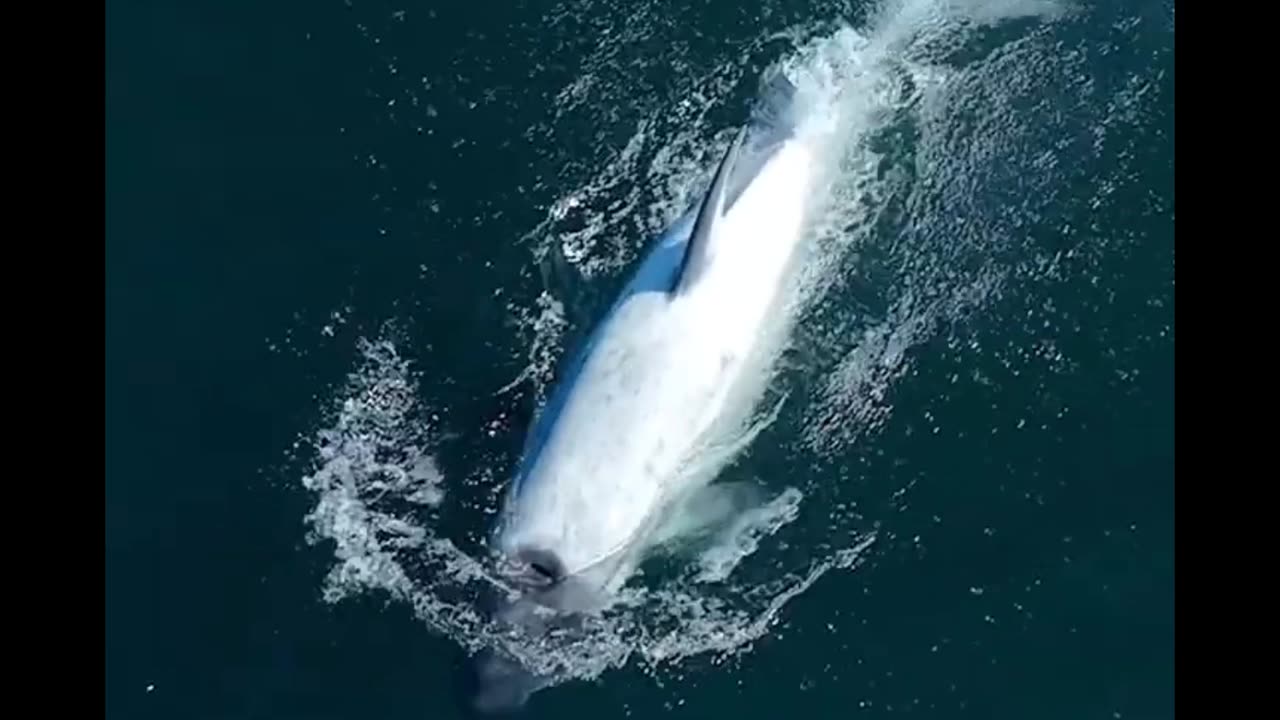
(536, 569)
(540, 584)
(545, 571)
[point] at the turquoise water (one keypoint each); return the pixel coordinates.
(348, 243)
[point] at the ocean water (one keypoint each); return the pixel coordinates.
(348, 244)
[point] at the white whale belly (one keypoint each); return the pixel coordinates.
(664, 373)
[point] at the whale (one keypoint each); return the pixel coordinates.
(615, 462)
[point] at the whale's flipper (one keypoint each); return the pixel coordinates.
(706, 512)
(713, 205)
(771, 124)
(772, 117)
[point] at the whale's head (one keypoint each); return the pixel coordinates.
(538, 597)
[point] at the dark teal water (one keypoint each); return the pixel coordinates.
(285, 179)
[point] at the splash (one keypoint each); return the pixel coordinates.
(933, 119)
(379, 491)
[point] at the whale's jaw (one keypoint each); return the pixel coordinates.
(540, 599)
